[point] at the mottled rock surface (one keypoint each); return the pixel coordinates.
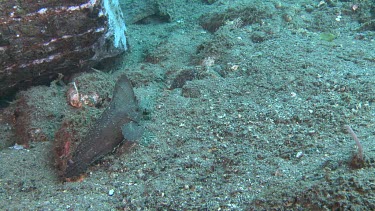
(41, 39)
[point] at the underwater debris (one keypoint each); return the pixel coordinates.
(77, 99)
(73, 96)
(358, 160)
(17, 147)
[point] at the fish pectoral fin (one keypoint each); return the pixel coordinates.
(132, 131)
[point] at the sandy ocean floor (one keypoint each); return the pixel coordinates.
(244, 107)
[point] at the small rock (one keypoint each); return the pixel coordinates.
(299, 154)
(17, 147)
(190, 91)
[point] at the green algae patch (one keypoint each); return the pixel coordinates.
(327, 36)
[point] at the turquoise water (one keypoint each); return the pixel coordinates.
(244, 106)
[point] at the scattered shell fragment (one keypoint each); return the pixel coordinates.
(36, 134)
(77, 99)
(73, 97)
(90, 99)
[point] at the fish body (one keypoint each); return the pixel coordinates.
(106, 133)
